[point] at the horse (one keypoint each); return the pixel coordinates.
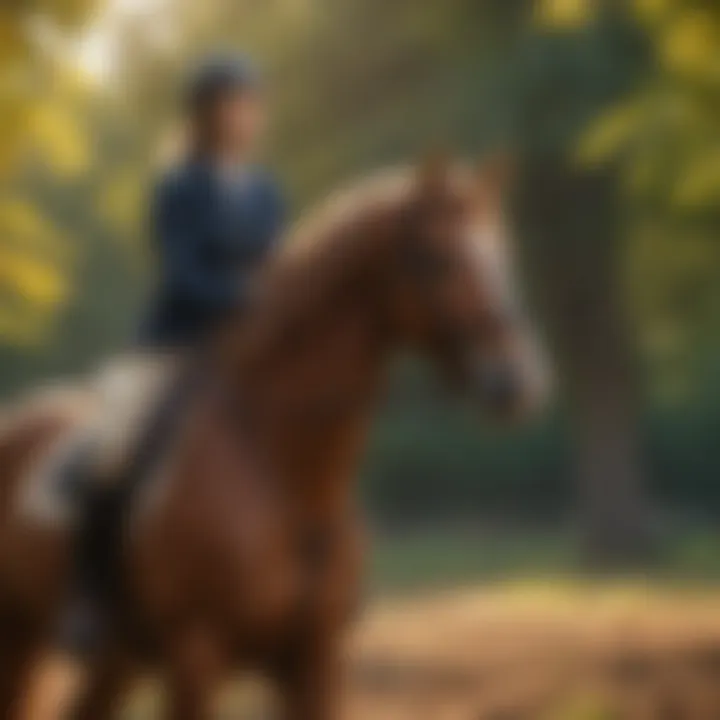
(244, 550)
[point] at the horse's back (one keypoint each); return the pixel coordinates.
(30, 429)
(30, 547)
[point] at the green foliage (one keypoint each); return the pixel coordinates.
(361, 83)
(41, 131)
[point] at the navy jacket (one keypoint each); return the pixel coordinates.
(211, 234)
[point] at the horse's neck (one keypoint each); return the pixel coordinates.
(310, 395)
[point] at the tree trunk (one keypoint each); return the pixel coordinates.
(569, 222)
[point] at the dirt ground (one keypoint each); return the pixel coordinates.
(535, 652)
(527, 652)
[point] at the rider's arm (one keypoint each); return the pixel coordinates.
(180, 243)
(271, 220)
(276, 210)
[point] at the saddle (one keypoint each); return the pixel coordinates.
(107, 502)
(138, 404)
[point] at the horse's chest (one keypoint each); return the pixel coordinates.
(260, 585)
(291, 588)
(237, 555)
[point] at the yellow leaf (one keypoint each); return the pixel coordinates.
(13, 38)
(59, 140)
(564, 14)
(641, 173)
(121, 200)
(22, 225)
(33, 272)
(22, 326)
(654, 10)
(699, 183)
(690, 43)
(19, 217)
(35, 282)
(69, 13)
(608, 135)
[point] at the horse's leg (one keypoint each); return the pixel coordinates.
(110, 676)
(18, 652)
(310, 686)
(195, 666)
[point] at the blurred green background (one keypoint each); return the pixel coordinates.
(611, 114)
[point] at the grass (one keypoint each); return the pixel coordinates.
(434, 559)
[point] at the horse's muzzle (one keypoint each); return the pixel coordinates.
(498, 388)
(512, 388)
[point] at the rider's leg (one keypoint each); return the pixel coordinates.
(133, 416)
(18, 653)
(91, 582)
(110, 676)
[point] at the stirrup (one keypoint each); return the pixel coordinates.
(82, 629)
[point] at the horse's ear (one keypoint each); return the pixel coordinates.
(432, 172)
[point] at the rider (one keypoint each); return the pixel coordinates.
(215, 217)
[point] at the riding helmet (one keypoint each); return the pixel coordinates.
(219, 75)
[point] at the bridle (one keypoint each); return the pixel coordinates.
(423, 263)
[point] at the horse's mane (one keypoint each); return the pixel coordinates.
(319, 250)
(324, 253)
(315, 258)
(322, 224)
(382, 189)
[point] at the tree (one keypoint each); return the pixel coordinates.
(594, 120)
(665, 139)
(572, 221)
(38, 131)
(641, 161)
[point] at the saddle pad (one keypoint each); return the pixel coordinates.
(121, 443)
(46, 497)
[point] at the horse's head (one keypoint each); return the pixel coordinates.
(453, 295)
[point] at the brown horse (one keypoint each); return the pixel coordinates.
(245, 552)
